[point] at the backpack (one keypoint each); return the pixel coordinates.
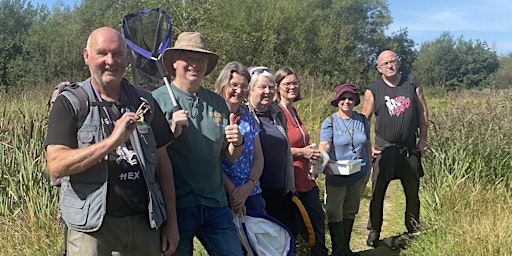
(82, 97)
(78, 92)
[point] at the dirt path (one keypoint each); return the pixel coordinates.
(394, 206)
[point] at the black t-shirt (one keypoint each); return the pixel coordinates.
(127, 190)
(396, 112)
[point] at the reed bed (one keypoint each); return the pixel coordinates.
(466, 192)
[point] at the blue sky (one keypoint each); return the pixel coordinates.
(485, 20)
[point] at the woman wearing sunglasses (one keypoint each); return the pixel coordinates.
(345, 135)
(277, 181)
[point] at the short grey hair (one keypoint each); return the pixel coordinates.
(266, 72)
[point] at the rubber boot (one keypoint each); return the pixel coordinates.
(336, 230)
(347, 234)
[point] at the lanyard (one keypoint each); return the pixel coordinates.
(121, 97)
(350, 121)
(296, 122)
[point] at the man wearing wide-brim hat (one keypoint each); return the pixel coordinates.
(205, 131)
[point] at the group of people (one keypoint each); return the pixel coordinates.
(148, 182)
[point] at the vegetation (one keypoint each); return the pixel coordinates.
(466, 205)
(467, 188)
(333, 41)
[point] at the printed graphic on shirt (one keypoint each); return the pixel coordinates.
(217, 117)
(127, 155)
(397, 105)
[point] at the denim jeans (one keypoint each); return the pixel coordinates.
(214, 228)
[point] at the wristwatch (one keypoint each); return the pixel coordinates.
(256, 182)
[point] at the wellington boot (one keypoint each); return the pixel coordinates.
(336, 230)
(347, 234)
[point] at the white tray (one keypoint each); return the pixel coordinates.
(346, 167)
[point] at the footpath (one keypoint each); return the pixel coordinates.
(394, 207)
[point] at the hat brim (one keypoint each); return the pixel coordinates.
(335, 99)
(213, 58)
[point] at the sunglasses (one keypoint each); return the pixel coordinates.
(260, 71)
(344, 98)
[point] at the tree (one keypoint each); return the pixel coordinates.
(437, 63)
(502, 78)
(478, 63)
(16, 16)
(453, 63)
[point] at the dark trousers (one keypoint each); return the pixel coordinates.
(311, 202)
(279, 206)
(407, 170)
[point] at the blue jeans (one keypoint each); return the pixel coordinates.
(214, 228)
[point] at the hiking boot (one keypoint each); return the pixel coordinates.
(373, 238)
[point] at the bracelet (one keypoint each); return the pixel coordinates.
(242, 143)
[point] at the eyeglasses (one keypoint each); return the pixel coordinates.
(260, 71)
(344, 98)
(289, 84)
(235, 86)
(386, 63)
(194, 106)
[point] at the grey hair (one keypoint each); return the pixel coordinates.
(254, 77)
(226, 74)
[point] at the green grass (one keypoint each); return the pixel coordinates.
(466, 192)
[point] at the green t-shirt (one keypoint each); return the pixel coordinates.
(196, 153)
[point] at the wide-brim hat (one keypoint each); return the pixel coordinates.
(189, 41)
(342, 88)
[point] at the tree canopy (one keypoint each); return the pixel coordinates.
(332, 41)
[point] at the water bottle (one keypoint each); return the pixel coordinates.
(311, 174)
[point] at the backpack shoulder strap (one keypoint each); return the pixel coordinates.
(80, 99)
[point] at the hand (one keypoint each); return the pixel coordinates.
(327, 169)
(423, 146)
(124, 127)
(170, 239)
(240, 194)
(375, 152)
(311, 153)
(233, 135)
(179, 120)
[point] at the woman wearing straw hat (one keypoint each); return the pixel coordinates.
(205, 131)
(345, 135)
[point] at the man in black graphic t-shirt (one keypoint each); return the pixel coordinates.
(400, 138)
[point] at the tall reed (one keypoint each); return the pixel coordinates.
(467, 188)
(25, 187)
